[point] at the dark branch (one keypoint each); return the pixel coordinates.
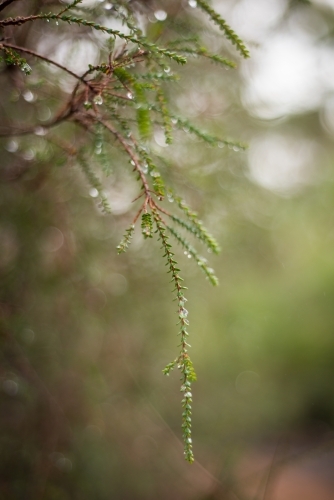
(43, 58)
(6, 3)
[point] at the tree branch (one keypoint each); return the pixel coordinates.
(43, 58)
(6, 3)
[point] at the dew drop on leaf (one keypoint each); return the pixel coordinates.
(98, 100)
(183, 313)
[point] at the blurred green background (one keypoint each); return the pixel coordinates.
(86, 413)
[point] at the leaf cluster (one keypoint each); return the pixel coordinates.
(118, 104)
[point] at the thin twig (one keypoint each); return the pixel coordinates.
(6, 3)
(68, 7)
(129, 151)
(14, 131)
(19, 20)
(43, 58)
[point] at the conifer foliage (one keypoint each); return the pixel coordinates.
(120, 102)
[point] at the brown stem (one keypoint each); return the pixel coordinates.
(31, 130)
(129, 151)
(17, 21)
(137, 215)
(6, 3)
(43, 58)
(163, 210)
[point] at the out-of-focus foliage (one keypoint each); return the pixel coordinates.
(85, 411)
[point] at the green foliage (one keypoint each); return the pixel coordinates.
(146, 225)
(195, 226)
(184, 363)
(119, 103)
(192, 46)
(191, 252)
(143, 114)
(189, 127)
(166, 118)
(228, 32)
(12, 58)
(124, 244)
(94, 182)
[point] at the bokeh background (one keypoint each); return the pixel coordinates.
(86, 413)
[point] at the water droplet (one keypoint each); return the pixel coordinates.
(192, 3)
(12, 146)
(160, 15)
(221, 145)
(93, 192)
(28, 155)
(10, 387)
(185, 252)
(189, 256)
(26, 68)
(28, 96)
(170, 198)
(183, 313)
(98, 100)
(57, 23)
(129, 95)
(132, 163)
(108, 6)
(44, 113)
(48, 20)
(235, 148)
(166, 69)
(40, 131)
